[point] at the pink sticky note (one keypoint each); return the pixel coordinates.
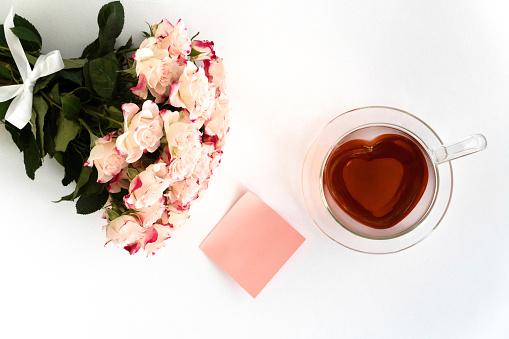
(251, 243)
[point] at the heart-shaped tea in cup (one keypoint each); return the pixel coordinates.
(377, 182)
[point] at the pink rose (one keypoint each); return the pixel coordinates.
(182, 135)
(142, 131)
(185, 190)
(146, 58)
(150, 49)
(193, 92)
(205, 48)
(123, 230)
(220, 118)
(148, 186)
(216, 73)
(216, 159)
(182, 165)
(156, 75)
(119, 181)
(175, 216)
(150, 214)
(106, 159)
(172, 38)
(155, 237)
(203, 168)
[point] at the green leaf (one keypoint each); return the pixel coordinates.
(130, 71)
(127, 45)
(25, 34)
(14, 132)
(4, 106)
(112, 215)
(82, 180)
(67, 131)
(41, 108)
(74, 75)
(115, 114)
(28, 45)
(132, 173)
(111, 22)
(4, 72)
(33, 118)
(59, 158)
(31, 59)
(3, 42)
(103, 75)
(73, 163)
(31, 154)
(86, 76)
(91, 50)
(43, 82)
(194, 53)
(91, 203)
(93, 139)
(50, 129)
(83, 93)
(119, 197)
(55, 93)
(10, 73)
(71, 105)
(74, 63)
(68, 197)
(91, 186)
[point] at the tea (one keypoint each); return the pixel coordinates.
(377, 176)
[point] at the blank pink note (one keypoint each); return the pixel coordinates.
(251, 243)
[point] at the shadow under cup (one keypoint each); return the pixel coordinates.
(405, 181)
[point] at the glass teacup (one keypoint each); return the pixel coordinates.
(419, 218)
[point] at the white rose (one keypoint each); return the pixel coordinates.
(220, 119)
(148, 186)
(156, 70)
(217, 73)
(193, 92)
(172, 38)
(182, 135)
(142, 130)
(124, 230)
(106, 159)
(182, 165)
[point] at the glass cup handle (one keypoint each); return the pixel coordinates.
(472, 144)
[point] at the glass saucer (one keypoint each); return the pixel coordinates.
(329, 136)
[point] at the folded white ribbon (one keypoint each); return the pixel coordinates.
(20, 109)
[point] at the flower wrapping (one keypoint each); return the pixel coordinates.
(140, 130)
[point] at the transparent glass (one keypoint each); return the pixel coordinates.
(424, 217)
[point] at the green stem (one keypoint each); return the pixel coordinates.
(7, 49)
(7, 82)
(51, 101)
(86, 126)
(83, 145)
(124, 51)
(97, 114)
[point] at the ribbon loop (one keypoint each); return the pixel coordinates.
(20, 109)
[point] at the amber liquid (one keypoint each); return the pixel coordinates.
(377, 176)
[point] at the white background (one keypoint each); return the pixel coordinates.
(292, 67)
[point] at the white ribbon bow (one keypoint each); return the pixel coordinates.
(20, 109)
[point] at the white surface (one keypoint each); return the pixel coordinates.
(292, 67)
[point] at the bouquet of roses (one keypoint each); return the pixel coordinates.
(140, 134)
